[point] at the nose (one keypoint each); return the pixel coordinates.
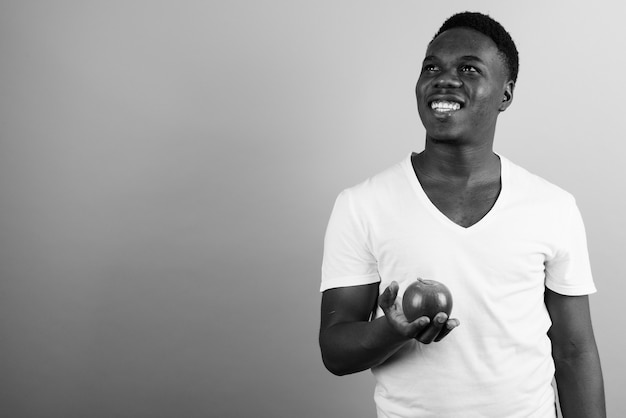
(448, 80)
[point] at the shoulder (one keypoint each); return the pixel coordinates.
(529, 186)
(384, 184)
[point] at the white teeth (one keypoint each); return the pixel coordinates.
(444, 106)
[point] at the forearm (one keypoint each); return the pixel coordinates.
(580, 385)
(356, 346)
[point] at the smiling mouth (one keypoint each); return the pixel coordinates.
(445, 106)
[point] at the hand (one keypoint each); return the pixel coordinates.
(422, 329)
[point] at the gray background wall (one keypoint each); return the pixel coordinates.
(167, 169)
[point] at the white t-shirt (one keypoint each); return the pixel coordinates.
(498, 362)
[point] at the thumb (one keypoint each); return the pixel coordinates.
(388, 298)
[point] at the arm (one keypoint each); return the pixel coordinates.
(578, 373)
(351, 343)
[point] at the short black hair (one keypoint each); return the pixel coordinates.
(491, 28)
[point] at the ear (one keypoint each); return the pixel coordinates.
(507, 98)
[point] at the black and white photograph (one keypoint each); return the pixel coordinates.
(289, 209)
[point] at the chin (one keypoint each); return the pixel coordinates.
(444, 136)
(442, 129)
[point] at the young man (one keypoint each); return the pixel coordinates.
(510, 246)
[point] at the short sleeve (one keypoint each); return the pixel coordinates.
(569, 271)
(347, 259)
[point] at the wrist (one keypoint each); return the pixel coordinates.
(385, 335)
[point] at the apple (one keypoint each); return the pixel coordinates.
(426, 298)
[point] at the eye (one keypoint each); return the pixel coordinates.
(429, 68)
(468, 69)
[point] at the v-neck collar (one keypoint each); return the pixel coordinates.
(440, 216)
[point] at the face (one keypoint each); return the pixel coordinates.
(462, 87)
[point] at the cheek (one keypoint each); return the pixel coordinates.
(419, 90)
(488, 100)
(423, 83)
(419, 95)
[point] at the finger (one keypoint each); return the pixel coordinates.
(393, 289)
(388, 297)
(420, 325)
(450, 325)
(432, 331)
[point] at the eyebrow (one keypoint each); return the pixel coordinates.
(471, 58)
(464, 58)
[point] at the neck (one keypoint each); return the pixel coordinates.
(452, 162)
